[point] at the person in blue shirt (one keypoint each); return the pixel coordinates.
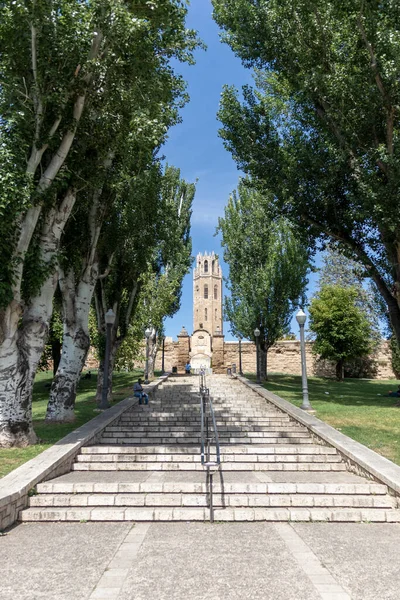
(188, 368)
(139, 393)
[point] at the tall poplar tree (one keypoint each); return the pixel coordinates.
(268, 265)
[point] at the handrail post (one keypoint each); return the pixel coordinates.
(207, 411)
(211, 498)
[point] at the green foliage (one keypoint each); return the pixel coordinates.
(341, 329)
(148, 238)
(320, 132)
(111, 58)
(338, 269)
(268, 264)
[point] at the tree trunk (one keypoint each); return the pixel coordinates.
(76, 299)
(56, 354)
(263, 362)
(153, 347)
(340, 370)
(16, 428)
(75, 346)
(22, 348)
(115, 344)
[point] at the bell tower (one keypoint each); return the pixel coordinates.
(207, 294)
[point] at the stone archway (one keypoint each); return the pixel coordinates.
(200, 360)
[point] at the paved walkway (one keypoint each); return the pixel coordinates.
(196, 561)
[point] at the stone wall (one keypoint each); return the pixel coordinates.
(283, 357)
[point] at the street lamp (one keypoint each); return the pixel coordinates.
(110, 320)
(162, 356)
(240, 355)
(257, 335)
(301, 319)
(147, 333)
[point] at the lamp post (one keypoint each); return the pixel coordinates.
(301, 319)
(110, 320)
(240, 355)
(162, 356)
(147, 333)
(257, 335)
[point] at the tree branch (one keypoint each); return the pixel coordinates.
(130, 304)
(381, 87)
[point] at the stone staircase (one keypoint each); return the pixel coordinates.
(147, 467)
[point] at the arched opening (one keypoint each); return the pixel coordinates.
(205, 314)
(206, 292)
(213, 266)
(216, 314)
(206, 266)
(215, 292)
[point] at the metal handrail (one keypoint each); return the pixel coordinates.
(206, 406)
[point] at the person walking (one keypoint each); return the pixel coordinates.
(188, 368)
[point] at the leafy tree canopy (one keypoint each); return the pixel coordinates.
(341, 329)
(321, 131)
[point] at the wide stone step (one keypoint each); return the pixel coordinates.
(291, 449)
(196, 422)
(143, 514)
(270, 431)
(196, 466)
(155, 427)
(118, 432)
(184, 440)
(219, 500)
(195, 457)
(185, 487)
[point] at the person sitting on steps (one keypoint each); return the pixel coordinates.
(139, 393)
(188, 367)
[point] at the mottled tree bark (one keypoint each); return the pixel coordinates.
(21, 352)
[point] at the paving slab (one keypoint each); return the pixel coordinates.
(43, 561)
(232, 561)
(364, 558)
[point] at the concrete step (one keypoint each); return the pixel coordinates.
(197, 466)
(122, 439)
(219, 500)
(221, 423)
(268, 431)
(200, 487)
(195, 457)
(118, 432)
(143, 514)
(291, 449)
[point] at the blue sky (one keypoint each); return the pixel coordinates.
(194, 147)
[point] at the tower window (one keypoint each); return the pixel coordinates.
(213, 265)
(215, 292)
(206, 292)
(216, 314)
(206, 266)
(205, 314)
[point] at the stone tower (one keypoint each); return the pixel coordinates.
(207, 294)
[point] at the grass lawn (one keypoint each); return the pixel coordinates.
(49, 433)
(357, 408)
